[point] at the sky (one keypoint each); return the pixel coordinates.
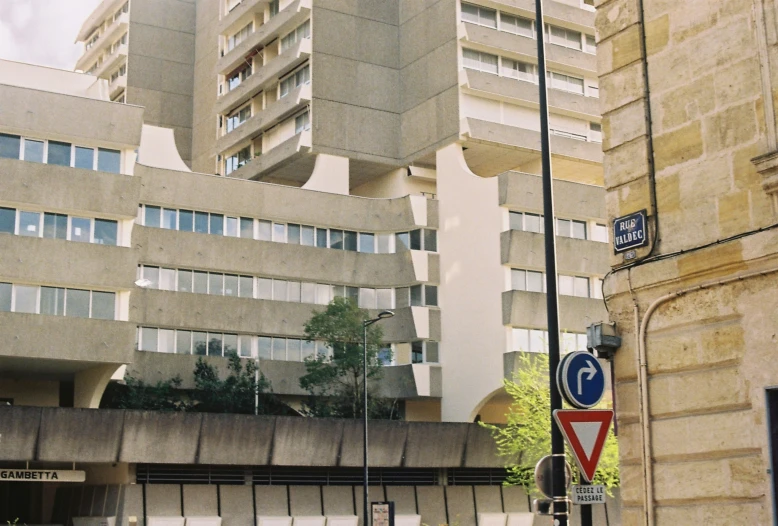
(43, 31)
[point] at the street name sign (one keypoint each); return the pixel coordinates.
(585, 433)
(586, 494)
(581, 379)
(630, 231)
(41, 475)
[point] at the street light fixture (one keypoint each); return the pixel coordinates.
(365, 324)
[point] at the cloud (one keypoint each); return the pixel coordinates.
(42, 31)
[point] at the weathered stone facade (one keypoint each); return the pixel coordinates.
(702, 295)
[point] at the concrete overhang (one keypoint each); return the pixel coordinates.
(265, 75)
(97, 17)
(117, 86)
(528, 309)
(524, 191)
(101, 435)
(524, 93)
(557, 13)
(231, 22)
(289, 161)
(111, 33)
(525, 250)
(266, 119)
(61, 117)
(492, 148)
(111, 62)
(289, 18)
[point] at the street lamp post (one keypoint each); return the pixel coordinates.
(365, 324)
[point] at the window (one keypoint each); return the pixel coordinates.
(590, 45)
(10, 146)
(80, 229)
(59, 153)
(563, 37)
(119, 72)
(526, 222)
(571, 228)
(7, 220)
(485, 62)
(349, 240)
(425, 352)
(236, 160)
(479, 15)
(77, 303)
(385, 355)
(33, 151)
(517, 25)
(519, 70)
(236, 78)
(367, 243)
(238, 118)
(564, 82)
(85, 158)
(600, 233)
(29, 224)
(417, 352)
(294, 80)
(53, 301)
(55, 226)
(274, 8)
(240, 36)
(595, 132)
(302, 123)
(108, 160)
(302, 31)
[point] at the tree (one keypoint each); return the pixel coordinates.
(526, 437)
(335, 383)
(136, 394)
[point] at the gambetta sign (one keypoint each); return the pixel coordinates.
(630, 231)
(41, 475)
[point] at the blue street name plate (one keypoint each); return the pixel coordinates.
(630, 231)
(581, 380)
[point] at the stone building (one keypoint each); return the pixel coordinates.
(688, 94)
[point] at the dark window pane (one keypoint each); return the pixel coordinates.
(108, 160)
(307, 236)
(59, 153)
(186, 220)
(433, 352)
(336, 239)
(52, 301)
(214, 344)
(103, 305)
(350, 241)
(77, 303)
(352, 293)
(55, 226)
(417, 352)
(10, 146)
(431, 295)
(201, 222)
(153, 216)
(105, 231)
(416, 300)
(431, 240)
(5, 297)
(415, 239)
(247, 227)
(199, 343)
(321, 237)
(216, 224)
(33, 151)
(7, 220)
(293, 234)
(85, 158)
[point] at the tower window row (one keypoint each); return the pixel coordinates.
(58, 226)
(290, 233)
(536, 340)
(535, 281)
(59, 153)
(57, 301)
(576, 229)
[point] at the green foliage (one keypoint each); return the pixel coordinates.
(235, 394)
(335, 384)
(526, 437)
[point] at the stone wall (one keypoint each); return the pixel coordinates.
(709, 341)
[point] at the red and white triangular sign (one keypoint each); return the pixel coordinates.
(585, 432)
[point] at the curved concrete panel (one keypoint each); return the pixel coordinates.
(386, 443)
(528, 309)
(444, 444)
(223, 434)
(19, 428)
(306, 442)
(574, 256)
(95, 435)
(523, 191)
(169, 438)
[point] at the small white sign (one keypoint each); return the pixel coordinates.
(588, 494)
(41, 475)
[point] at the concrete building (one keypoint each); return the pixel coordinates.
(383, 151)
(688, 101)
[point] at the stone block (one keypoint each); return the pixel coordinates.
(631, 476)
(630, 445)
(678, 146)
(712, 514)
(632, 197)
(621, 87)
(731, 127)
(686, 103)
(738, 82)
(657, 34)
(729, 255)
(615, 17)
(734, 214)
(625, 47)
(624, 125)
(625, 163)
(704, 390)
(627, 395)
(733, 478)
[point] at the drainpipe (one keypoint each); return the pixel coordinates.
(641, 328)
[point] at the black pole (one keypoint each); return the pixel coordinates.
(586, 509)
(364, 417)
(552, 300)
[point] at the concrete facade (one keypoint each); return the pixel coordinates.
(688, 96)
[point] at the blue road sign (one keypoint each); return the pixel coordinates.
(581, 379)
(630, 231)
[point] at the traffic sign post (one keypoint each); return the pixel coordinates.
(585, 433)
(581, 380)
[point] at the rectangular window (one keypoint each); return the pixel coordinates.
(294, 80)
(279, 290)
(230, 344)
(479, 15)
(336, 239)
(167, 341)
(279, 349)
(8, 220)
(566, 286)
(599, 233)
(485, 62)
(302, 123)
(59, 153)
(216, 224)
(238, 159)
(309, 350)
(307, 236)
(265, 348)
(53, 301)
(183, 342)
(564, 82)
(533, 223)
(293, 234)
(415, 239)
(169, 219)
(230, 285)
(216, 284)
(80, 229)
(308, 293)
(366, 243)
(247, 227)
(321, 237)
(264, 289)
(519, 70)
(534, 281)
(104, 305)
(417, 352)
(516, 25)
(520, 340)
(384, 243)
(385, 355)
(538, 341)
(167, 279)
(518, 279)
(590, 45)
(293, 291)
(238, 118)
(579, 229)
(246, 287)
(430, 240)
(148, 339)
(55, 226)
(5, 297)
(231, 226)
(274, 8)
(279, 232)
(563, 37)
(596, 291)
(201, 222)
(323, 294)
(151, 274)
(77, 303)
(367, 298)
(199, 343)
(416, 296)
(108, 160)
(581, 287)
(215, 344)
(296, 35)
(184, 282)
(33, 151)
(10, 146)
(152, 216)
(265, 230)
(106, 232)
(29, 224)
(85, 158)
(402, 239)
(186, 220)
(350, 240)
(431, 295)
(26, 299)
(200, 282)
(384, 299)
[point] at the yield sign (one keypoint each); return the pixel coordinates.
(585, 432)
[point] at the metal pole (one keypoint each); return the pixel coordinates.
(586, 509)
(364, 415)
(552, 306)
